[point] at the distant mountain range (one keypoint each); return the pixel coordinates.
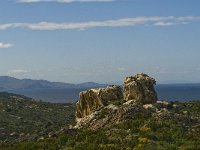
(67, 92)
(10, 83)
(45, 90)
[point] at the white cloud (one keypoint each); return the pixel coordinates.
(124, 22)
(168, 23)
(5, 45)
(18, 72)
(62, 1)
(164, 23)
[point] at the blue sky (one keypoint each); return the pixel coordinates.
(100, 40)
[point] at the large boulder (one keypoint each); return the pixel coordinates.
(94, 99)
(140, 88)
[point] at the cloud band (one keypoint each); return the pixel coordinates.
(124, 22)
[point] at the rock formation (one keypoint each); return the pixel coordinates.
(140, 88)
(94, 99)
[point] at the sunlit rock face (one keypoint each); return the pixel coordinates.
(95, 99)
(140, 88)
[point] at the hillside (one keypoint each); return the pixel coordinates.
(174, 126)
(23, 118)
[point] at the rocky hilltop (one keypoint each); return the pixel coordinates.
(138, 90)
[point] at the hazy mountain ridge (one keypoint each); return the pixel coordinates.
(45, 90)
(11, 83)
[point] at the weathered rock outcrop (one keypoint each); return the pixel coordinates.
(94, 99)
(140, 88)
